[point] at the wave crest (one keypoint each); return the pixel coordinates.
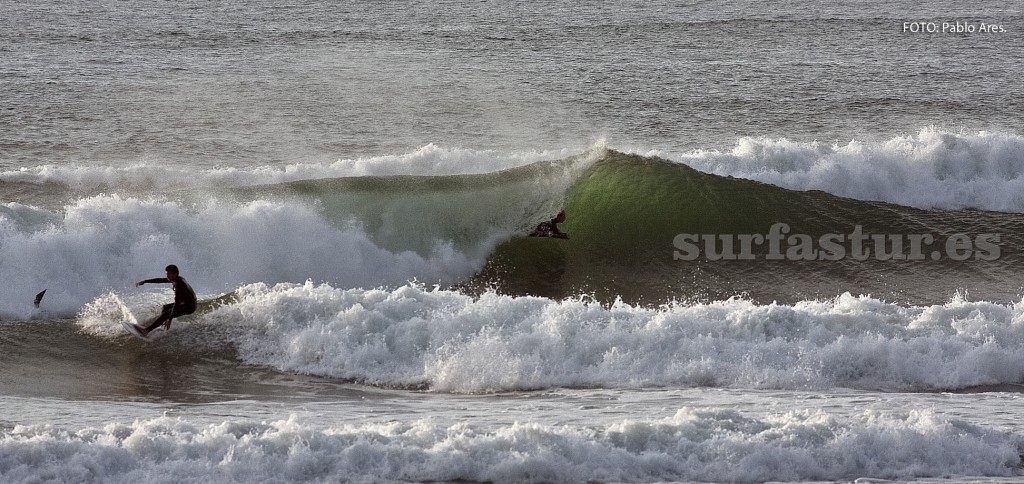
(934, 169)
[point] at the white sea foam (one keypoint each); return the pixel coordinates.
(934, 169)
(429, 160)
(694, 444)
(108, 242)
(451, 342)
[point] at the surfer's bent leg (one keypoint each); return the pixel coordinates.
(165, 314)
(169, 312)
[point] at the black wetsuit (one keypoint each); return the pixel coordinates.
(549, 229)
(184, 301)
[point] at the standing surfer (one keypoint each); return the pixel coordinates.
(184, 300)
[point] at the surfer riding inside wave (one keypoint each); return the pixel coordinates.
(550, 228)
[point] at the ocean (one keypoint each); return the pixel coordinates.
(793, 250)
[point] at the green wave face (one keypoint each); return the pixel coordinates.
(625, 212)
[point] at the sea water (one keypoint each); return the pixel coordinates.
(348, 186)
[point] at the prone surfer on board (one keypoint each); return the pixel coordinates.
(550, 228)
(184, 300)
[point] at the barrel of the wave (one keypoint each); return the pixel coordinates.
(649, 231)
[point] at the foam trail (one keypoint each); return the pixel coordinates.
(451, 342)
(692, 445)
(934, 169)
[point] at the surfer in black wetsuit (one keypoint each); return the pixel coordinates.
(184, 299)
(550, 228)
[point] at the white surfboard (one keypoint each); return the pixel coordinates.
(134, 330)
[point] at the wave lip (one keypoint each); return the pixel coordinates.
(429, 160)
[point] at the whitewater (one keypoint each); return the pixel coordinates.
(443, 386)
